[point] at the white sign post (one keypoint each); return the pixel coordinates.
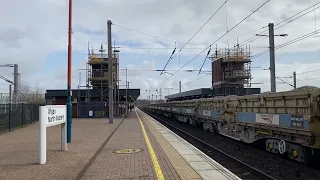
(51, 115)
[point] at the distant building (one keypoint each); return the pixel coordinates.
(4, 103)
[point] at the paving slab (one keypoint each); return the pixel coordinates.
(19, 150)
(127, 156)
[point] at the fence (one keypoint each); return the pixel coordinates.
(22, 98)
(99, 109)
(17, 115)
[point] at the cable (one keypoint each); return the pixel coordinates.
(288, 43)
(220, 38)
(288, 19)
(308, 71)
(308, 78)
(164, 39)
(193, 71)
(164, 48)
(152, 70)
(172, 55)
(291, 20)
(285, 82)
(170, 58)
(260, 54)
(204, 60)
(250, 32)
(196, 79)
(204, 24)
(186, 76)
(298, 39)
(252, 39)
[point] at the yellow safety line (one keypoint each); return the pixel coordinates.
(155, 162)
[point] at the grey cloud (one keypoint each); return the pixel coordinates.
(11, 37)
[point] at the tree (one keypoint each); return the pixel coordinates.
(27, 94)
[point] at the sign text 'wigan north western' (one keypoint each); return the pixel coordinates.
(55, 115)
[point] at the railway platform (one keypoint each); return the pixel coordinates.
(136, 147)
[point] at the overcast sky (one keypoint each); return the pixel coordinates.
(33, 34)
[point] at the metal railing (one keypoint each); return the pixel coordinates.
(99, 109)
(14, 116)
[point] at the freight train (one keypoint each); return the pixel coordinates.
(286, 123)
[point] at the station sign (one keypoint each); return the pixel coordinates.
(51, 115)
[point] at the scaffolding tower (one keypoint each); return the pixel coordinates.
(231, 71)
(96, 87)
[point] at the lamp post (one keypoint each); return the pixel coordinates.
(272, 55)
(117, 93)
(110, 73)
(69, 94)
(127, 91)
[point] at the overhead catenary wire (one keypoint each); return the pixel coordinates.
(187, 75)
(184, 45)
(288, 43)
(154, 70)
(219, 38)
(305, 72)
(149, 48)
(193, 71)
(204, 25)
(282, 25)
(250, 32)
(306, 79)
(166, 48)
(308, 71)
(285, 21)
(291, 19)
(170, 58)
(205, 59)
(295, 40)
(173, 53)
(284, 82)
(196, 79)
(147, 34)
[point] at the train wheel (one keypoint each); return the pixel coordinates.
(282, 147)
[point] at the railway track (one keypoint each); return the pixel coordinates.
(271, 165)
(239, 168)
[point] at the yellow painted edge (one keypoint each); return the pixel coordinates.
(182, 168)
(155, 162)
